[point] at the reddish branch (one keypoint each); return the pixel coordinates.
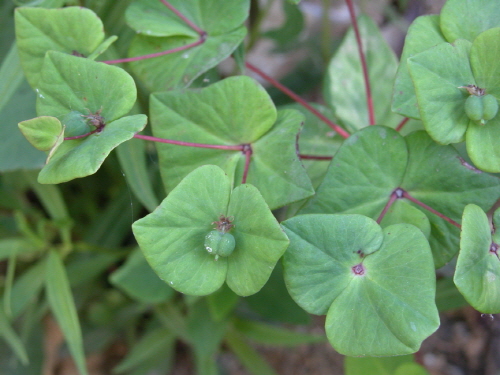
(364, 66)
(402, 123)
(430, 209)
(314, 157)
(247, 150)
(80, 136)
(400, 193)
(298, 99)
(190, 144)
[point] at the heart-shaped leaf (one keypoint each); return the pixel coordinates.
(423, 34)
(172, 237)
(477, 275)
(73, 30)
(376, 161)
(74, 89)
(177, 70)
(216, 115)
(376, 286)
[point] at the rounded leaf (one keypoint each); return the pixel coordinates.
(42, 132)
(378, 285)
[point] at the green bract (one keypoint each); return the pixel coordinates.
(77, 91)
(153, 21)
(477, 274)
(376, 285)
(173, 236)
(231, 112)
(376, 161)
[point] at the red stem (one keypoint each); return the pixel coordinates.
(392, 199)
(314, 157)
(298, 99)
(248, 156)
(183, 17)
(402, 123)
(190, 144)
(364, 66)
(157, 54)
(80, 136)
(423, 205)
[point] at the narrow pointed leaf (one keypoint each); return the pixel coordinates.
(63, 307)
(13, 340)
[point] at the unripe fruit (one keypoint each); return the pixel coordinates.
(219, 244)
(490, 107)
(481, 108)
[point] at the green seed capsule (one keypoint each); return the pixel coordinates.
(219, 244)
(490, 107)
(474, 107)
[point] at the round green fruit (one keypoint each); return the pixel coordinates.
(219, 244)
(474, 107)
(490, 107)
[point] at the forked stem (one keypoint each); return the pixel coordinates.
(191, 24)
(298, 99)
(364, 65)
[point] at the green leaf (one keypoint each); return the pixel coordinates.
(222, 302)
(247, 355)
(167, 31)
(344, 263)
(438, 88)
(63, 307)
(157, 343)
(375, 366)
(172, 237)
(349, 100)
(44, 132)
(137, 279)
(12, 339)
(15, 151)
(477, 275)
(11, 75)
(26, 289)
(403, 212)
(364, 172)
(275, 335)
(83, 157)
(424, 33)
(465, 19)
(132, 157)
(214, 115)
(71, 83)
(70, 30)
(287, 34)
(15, 245)
(374, 162)
(411, 369)
(447, 295)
